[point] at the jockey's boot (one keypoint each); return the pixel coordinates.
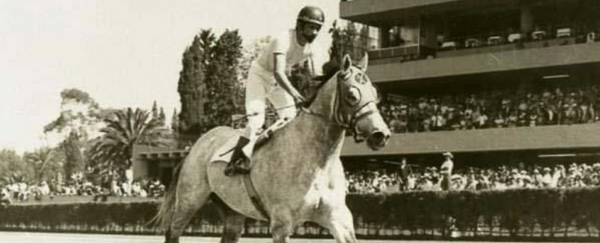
(238, 164)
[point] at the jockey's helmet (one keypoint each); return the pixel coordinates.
(311, 14)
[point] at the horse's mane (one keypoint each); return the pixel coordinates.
(330, 68)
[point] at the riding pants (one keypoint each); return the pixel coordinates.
(261, 86)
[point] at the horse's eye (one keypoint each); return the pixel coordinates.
(353, 96)
(360, 78)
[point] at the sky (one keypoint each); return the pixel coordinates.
(124, 53)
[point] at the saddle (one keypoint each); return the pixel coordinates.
(223, 153)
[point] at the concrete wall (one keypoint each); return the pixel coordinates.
(496, 139)
(486, 63)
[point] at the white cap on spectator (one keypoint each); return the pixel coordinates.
(448, 154)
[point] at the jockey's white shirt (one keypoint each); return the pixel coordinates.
(287, 43)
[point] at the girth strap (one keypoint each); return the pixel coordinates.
(254, 197)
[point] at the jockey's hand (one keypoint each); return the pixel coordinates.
(298, 98)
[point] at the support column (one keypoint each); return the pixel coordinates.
(527, 23)
(384, 37)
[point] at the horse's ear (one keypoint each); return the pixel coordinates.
(364, 62)
(346, 63)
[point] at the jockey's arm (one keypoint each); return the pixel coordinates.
(282, 78)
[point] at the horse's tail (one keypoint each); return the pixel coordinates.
(164, 215)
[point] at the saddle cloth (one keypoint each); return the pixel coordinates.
(233, 190)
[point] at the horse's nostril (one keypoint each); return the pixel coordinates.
(378, 136)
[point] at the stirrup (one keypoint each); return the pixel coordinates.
(239, 166)
(243, 166)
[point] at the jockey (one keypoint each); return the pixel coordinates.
(267, 80)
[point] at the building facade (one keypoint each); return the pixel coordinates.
(532, 49)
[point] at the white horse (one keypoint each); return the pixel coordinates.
(298, 174)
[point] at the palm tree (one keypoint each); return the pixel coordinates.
(114, 150)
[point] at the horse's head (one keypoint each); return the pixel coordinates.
(356, 106)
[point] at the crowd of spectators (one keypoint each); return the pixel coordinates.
(493, 109)
(21, 191)
(503, 177)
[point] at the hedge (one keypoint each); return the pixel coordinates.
(513, 213)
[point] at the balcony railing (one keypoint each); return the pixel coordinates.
(547, 36)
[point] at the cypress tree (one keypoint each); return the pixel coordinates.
(74, 158)
(191, 86)
(222, 83)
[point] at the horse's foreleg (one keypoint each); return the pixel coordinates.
(340, 223)
(281, 226)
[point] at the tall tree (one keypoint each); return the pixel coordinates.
(191, 86)
(175, 122)
(162, 118)
(154, 111)
(74, 163)
(223, 81)
(114, 151)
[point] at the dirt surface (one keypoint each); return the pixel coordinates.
(24, 237)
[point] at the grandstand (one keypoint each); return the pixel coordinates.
(531, 66)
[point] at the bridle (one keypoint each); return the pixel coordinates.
(357, 115)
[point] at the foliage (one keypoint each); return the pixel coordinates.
(175, 122)
(80, 113)
(162, 118)
(113, 152)
(46, 162)
(158, 115)
(222, 81)
(191, 86)
(13, 167)
(346, 40)
(78, 95)
(209, 77)
(154, 110)
(516, 211)
(74, 162)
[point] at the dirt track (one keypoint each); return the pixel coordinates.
(22, 237)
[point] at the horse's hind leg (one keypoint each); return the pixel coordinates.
(190, 197)
(234, 223)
